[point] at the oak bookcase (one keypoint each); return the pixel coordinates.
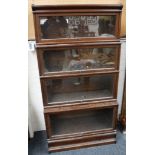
(78, 51)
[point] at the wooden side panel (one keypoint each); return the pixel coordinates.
(48, 125)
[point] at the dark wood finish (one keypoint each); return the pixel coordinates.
(76, 73)
(81, 145)
(89, 113)
(77, 6)
(80, 106)
(123, 109)
(80, 139)
(82, 134)
(48, 126)
(84, 140)
(77, 44)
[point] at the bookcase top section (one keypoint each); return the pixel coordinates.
(38, 7)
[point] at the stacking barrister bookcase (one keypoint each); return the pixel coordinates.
(78, 52)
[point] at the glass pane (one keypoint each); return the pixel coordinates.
(53, 27)
(83, 121)
(79, 59)
(79, 88)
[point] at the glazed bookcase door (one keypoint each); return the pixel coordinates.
(74, 122)
(80, 27)
(78, 89)
(54, 61)
(83, 121)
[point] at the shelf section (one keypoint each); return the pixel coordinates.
(82, 121)
(53, 27)
(80, 89)
(79, 59)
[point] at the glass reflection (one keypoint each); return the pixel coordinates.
(79, 88)
(79, 59)
(77, 26)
